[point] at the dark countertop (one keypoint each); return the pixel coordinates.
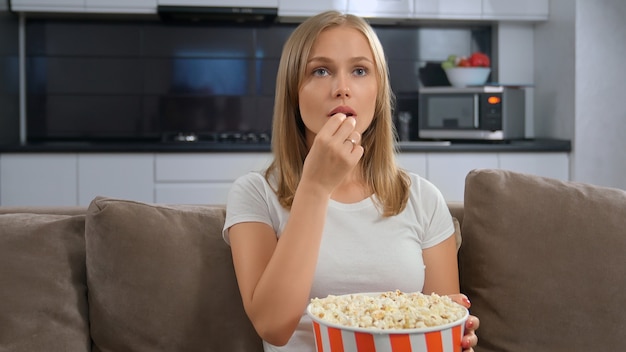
(527, 145)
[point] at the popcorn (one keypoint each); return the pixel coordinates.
(388, 310)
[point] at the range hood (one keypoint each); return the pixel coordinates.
(217, 13)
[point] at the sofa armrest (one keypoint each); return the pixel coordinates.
(457, 211)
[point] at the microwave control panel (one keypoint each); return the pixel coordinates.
(491, 111)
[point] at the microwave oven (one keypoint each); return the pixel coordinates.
(471, 113)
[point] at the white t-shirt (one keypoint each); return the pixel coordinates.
(361, 251)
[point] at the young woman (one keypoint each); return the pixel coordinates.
(333, 213)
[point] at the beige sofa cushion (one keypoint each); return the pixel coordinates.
(543, 262)
(43, 292)
(161, 279)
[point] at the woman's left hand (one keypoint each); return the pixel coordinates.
(469, 339)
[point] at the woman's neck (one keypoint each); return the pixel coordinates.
(353, 189)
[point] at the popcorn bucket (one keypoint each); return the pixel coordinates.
(331, 337)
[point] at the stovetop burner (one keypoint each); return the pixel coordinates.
(222, 137)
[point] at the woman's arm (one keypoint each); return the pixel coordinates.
(275, 276)
(442, 271)
(442, 277)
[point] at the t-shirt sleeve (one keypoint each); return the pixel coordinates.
(439, 224)
(247, 202)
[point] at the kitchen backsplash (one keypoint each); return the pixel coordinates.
(118, 79)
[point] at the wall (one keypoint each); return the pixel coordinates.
(600, 140)
(579, 96)
(9, 76)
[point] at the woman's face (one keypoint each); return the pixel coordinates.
(340, 78)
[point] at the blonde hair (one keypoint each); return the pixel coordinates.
(378, 167)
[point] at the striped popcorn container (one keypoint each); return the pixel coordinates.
(331, 337)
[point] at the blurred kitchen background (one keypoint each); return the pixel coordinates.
(152, 80)
(132, 77)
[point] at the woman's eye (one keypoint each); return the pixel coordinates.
(320, 72)
(360, 71)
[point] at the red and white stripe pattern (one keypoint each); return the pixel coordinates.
(329, 339)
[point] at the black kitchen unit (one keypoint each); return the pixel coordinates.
(115, 81)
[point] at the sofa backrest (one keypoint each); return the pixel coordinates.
(543, 262)
(161, 278)
(43, 299)
(121, 275)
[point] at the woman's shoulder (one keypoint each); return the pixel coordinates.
(252, 177)
(253, 180)
(418, 180)
(420, 185)
(250, 188)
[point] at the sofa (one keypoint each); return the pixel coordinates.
(543, 262)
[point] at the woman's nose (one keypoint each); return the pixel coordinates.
(343, 92)
(342, 88)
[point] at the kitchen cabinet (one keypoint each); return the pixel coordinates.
(38, 179)
(87, 6)
(448, 9)
(413, 162)
(447, 171)
(530, 10)
(192, 193)
(221, 3)
(121, 6)
(74, 179)
(202, 178)
(306, 8)
(554, 165)
(48, 5)
(515, 9)
(128, 176)
(396, 9)
(205, 178)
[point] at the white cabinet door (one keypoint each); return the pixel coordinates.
(554, 165)
(306, 8)
(448, 9)
(221, 3)
(128, 176)
(381, 8)
(212, 167)
(413, 162)
(516, 9)
(447, 171)
(38, 180)
(203, 178)
(48, 5)
(215, 193)
(121, 6)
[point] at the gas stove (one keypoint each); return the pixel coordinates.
(222, 137)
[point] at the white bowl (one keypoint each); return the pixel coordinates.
(467, 76)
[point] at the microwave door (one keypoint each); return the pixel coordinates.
(449, 116)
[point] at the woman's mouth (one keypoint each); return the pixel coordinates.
(346, 110)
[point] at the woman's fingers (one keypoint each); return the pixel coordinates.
(471, 324)
(461, 299)
(336, 150)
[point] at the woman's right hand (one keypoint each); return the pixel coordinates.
(332, 155)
